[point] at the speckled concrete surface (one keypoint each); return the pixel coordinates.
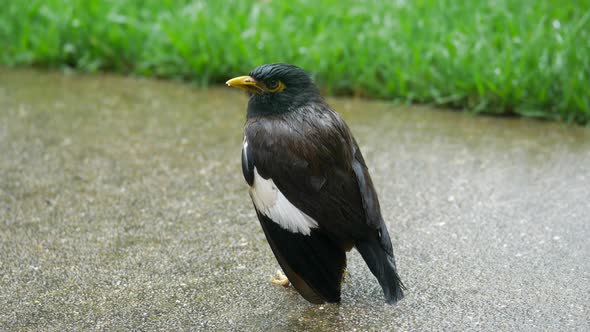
(122, 206)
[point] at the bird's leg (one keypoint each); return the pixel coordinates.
(280, 279)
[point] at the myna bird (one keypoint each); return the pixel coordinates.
(310, 185)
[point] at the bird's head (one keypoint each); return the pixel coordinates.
(276, 88)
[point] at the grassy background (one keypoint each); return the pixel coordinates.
(507, 56)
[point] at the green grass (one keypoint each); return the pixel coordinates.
(530, 58)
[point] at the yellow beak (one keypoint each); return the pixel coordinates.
(245, 83)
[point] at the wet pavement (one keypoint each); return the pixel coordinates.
(122, 206)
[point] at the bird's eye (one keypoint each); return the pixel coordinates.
(275, 86)
(272, 84)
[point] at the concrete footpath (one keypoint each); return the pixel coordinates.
(122, 206)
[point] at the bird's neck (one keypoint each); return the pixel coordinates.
(262, 105)
(258, 106)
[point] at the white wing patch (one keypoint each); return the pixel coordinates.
(271, 202)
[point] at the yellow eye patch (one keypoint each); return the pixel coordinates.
(277, 87)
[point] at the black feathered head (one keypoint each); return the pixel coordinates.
(276, 88)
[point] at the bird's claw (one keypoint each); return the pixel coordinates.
(280, 279)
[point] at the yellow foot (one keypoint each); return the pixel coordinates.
(280, 279)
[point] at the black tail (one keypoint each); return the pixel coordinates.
(382, 265)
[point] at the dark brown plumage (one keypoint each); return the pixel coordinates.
(310, 185)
